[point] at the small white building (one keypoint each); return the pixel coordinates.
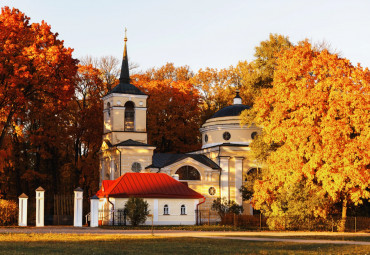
(170, 201)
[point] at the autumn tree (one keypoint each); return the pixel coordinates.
(86, 129)
(35, 66)
(317, 111)
(37, 79)
(266, 60)
(173, 115)
(216, 89)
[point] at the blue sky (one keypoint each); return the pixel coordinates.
(200, 33)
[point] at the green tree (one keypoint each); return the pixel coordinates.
(265, 63)
(222, 207)
(137, 210)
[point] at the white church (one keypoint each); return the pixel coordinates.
(174, 185)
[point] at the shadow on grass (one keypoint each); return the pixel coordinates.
(85, 244)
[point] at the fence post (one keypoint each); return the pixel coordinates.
(94, 211)
(78, 209)
(40, 202)
(355, 224)
(260, 221)
(22, 221)
(209, 217)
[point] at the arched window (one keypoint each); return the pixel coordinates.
(166, 210)
(183, 210)
(188, 173)
(108, 108)
(129, 116)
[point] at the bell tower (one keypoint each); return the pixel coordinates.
(124, 147)
(125, 109)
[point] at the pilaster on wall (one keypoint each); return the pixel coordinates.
(225, 171)
(101, 177)
(112, 168)
(238, 179)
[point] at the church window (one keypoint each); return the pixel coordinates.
(253, 135)
(108, 108)
(188, 173)
(183, 210)
(206, 138)
(212, 191)
(166, 210)
(136, 167)
(129, 116)
(226, 136)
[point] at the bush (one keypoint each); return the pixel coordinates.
(222, 207)
(8, 212)
(136, 210)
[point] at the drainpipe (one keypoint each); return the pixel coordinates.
(120, 162)
(204, 200)
(112, 207)
(219, 176)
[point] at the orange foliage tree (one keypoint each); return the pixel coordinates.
(216, 88)
(318, 114)
(173, 109)
(37, 79)
(35, 66)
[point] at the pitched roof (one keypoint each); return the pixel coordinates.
(126, 88)
(165, 159)
(146, 185)
(131, 142)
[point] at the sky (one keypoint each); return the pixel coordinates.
(200, 33)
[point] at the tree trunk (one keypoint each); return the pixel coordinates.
(5, 128)
(342, 225)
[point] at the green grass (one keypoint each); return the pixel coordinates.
(125, 244)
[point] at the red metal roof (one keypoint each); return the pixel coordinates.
(146, 185)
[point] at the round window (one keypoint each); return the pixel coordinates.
(226, 136)
(253, 135)
(206, 138)
(212, 191)
(136, 167)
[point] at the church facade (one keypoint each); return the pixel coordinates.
(216, 170)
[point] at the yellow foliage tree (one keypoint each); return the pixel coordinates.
(318, 113)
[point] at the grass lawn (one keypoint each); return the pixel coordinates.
(313, 237)
(124, 244)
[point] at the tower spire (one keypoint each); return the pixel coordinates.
(125, 74)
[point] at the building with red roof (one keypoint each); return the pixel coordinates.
(170, 201)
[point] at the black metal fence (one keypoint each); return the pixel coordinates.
(260, 222)
(207, 217)
(112, 217)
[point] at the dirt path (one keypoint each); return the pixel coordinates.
(238, 235)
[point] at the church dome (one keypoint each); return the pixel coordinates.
(224, 128)
(232, 110)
